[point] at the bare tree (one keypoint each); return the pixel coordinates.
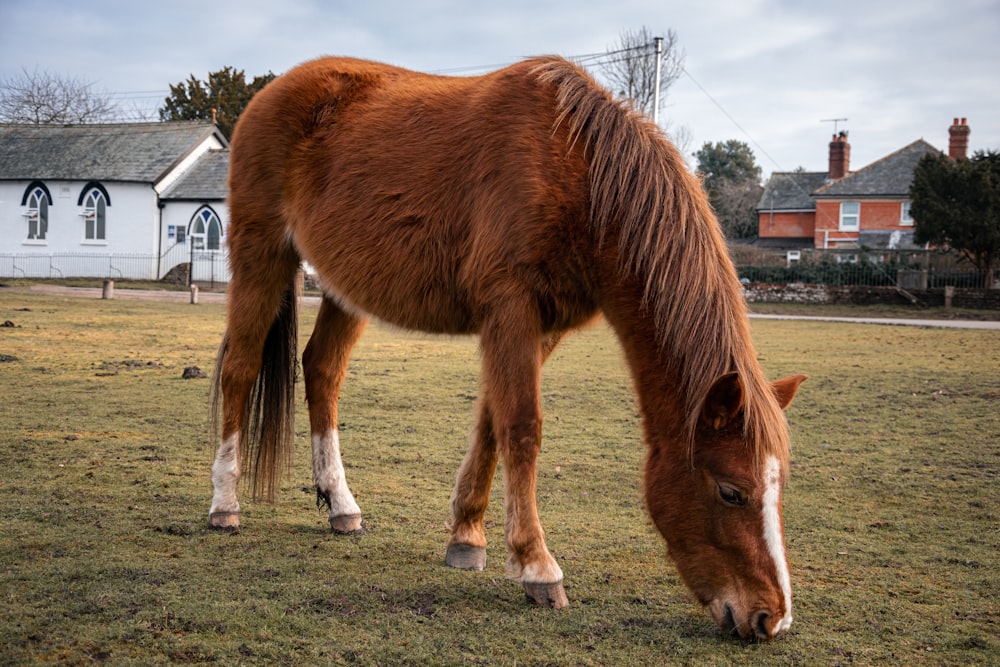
(630, 68)
(735, 204)
(682, 137)
(35, 98)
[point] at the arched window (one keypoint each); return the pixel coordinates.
(36, 202)
(95, 213)
(205, 230)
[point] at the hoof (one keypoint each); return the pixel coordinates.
(546, 595)
(225, 521)
(466, 557)
(348, 524)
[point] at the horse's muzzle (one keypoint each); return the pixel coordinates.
(757, 625)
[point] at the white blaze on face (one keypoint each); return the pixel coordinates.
(773, 536)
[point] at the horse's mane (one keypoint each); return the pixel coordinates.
(669, 238)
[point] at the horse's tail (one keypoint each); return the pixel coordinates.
(267, 431)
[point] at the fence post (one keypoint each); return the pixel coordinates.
(194, 294)
(949, 295)
(108, 290)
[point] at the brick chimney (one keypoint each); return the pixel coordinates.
(840, 156)
(958, 139)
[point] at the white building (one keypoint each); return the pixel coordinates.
(133, 201)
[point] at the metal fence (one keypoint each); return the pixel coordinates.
(178, 264)
(182, 264)
(909, 269)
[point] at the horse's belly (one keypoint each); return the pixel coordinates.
(410, 302)
(445, 278)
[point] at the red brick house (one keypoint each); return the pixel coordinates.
(844, 209)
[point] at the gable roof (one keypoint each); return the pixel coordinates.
(130, 152)
(791, 191)
(889, 177)
(206, 179)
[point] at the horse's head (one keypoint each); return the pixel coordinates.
(721, 514)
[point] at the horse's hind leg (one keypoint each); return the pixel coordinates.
(261, 308)
(324, 364)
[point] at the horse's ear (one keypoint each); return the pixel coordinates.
(724, 401)
(785, 388)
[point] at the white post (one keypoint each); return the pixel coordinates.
(656, 90)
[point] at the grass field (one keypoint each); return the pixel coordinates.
(106, 557)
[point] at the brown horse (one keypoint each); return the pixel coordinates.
(518, 205)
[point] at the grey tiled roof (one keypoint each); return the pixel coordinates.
(791, 191)
(891, 176)
(133, 152)
(205, 180)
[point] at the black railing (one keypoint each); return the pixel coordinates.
(907, 269)
(199, 266)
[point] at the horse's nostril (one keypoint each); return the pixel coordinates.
(759, 624)
(729, 620)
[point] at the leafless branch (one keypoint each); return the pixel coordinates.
(36, 97)
(631, 71)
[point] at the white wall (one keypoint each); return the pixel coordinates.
(131, 216)
(131, 229)
(208, 266)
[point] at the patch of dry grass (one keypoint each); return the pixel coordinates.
(105, 554)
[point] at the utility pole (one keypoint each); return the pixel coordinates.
(656, 90)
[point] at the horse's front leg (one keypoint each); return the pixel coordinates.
(467, 546)
(513, 353)
(324, 364)
(469, 500)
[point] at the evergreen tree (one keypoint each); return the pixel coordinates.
(226, 92)
(731, 178)
(956, 204)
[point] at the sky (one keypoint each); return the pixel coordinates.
(765, 72)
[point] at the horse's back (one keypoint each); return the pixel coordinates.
(403, 188)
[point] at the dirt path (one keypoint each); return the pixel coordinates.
(220, 297)
(133, 294)
(898, 321)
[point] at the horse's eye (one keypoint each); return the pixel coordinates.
(731, 496)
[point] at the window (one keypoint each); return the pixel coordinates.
(850, 212)
(905, 219)
(205, 230)
(94, 215)
(37, 213)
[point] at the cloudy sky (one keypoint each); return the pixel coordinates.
(766, 72)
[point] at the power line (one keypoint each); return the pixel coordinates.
(730, 117)
(602, 58)
(597, 59)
